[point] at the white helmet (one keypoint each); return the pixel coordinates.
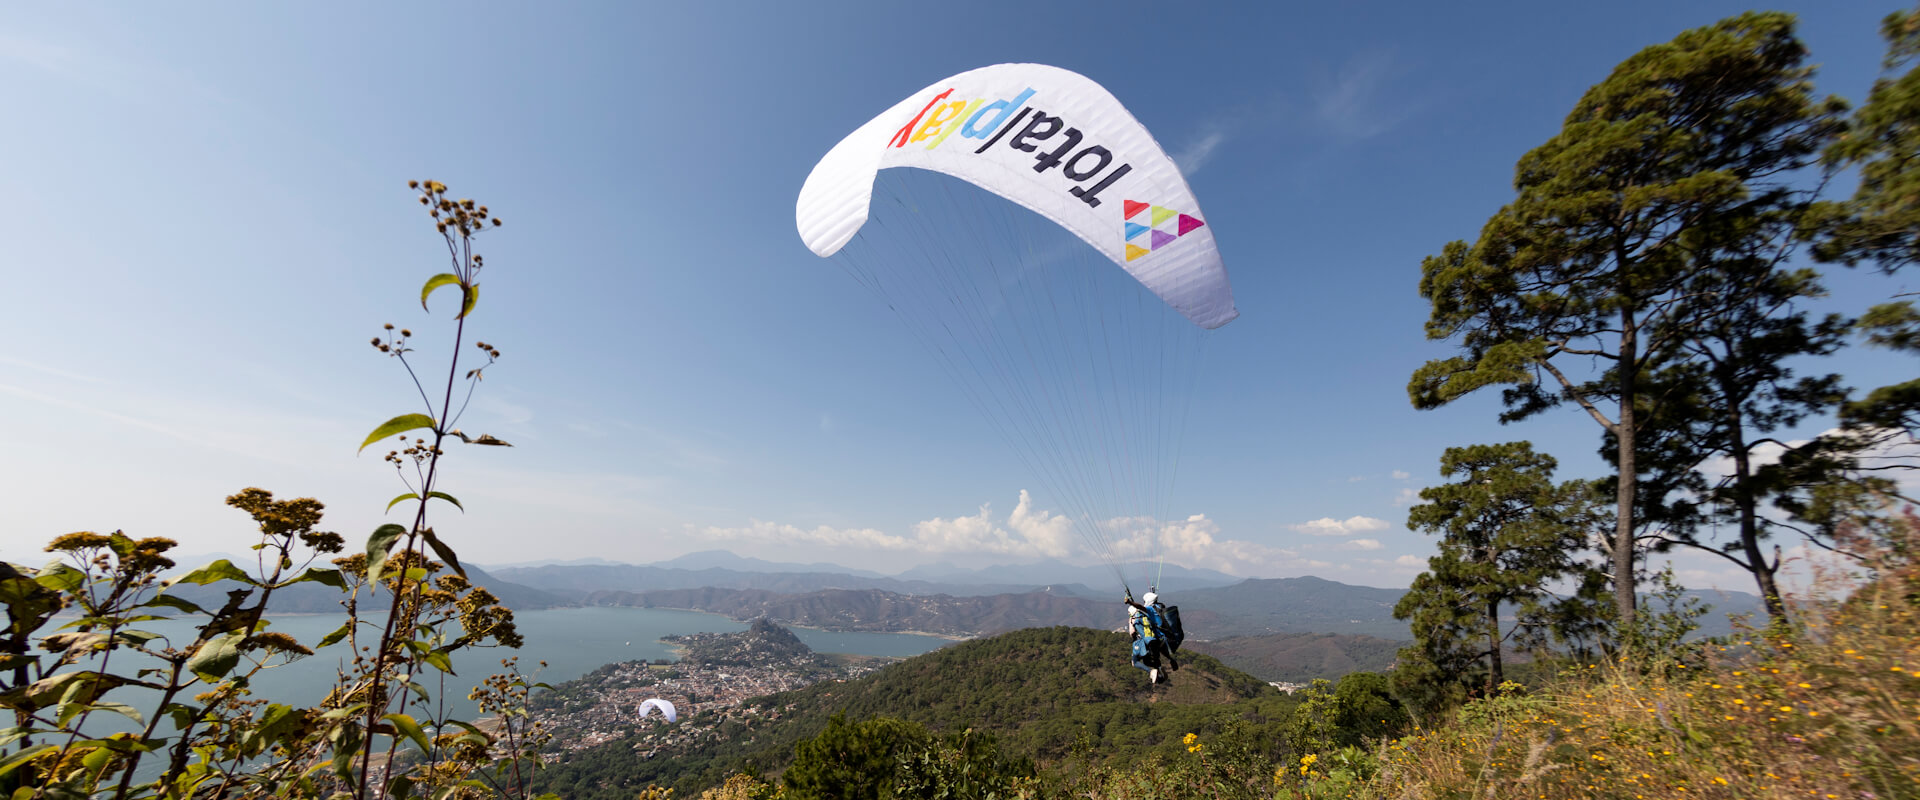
(1151, 598)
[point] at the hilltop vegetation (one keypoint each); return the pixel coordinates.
(1041, 692)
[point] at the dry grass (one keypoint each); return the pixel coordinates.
(1831, 710)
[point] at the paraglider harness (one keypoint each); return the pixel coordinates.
(1157, 623)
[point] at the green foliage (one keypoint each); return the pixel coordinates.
(1881, 222)
(1039, 692)
(1684, 140)
(1658, 638)
(1507, 534)
(883, 757)
(1359, 709)
(197, 730)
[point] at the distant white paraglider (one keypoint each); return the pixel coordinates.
(666, 709)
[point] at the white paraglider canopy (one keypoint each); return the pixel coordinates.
(1051, 258)
(666, 709)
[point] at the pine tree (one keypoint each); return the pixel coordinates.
(1507, 534)
(1589, 261)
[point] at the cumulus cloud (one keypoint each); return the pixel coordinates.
(1328, 526)
(1401, 474)
(1032, 532)
(1365, 544)
(1193, 542)
(1411, 561)
(1028, 532)
(1406, 497)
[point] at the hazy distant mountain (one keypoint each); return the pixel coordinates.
(1314, 605)
(1171, 576)
(576, 583)
(880, 611)
(314, 598)
(552, 562)
(1262, 606)
(1301, 657)
(722, 559)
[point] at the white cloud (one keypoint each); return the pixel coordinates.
(1030, 532)
(1411, 561)
(1027, 533)
(1328, 526)
(1348, 104)
(1196, 154)
(760, 531)
(1366, 544)
(1401, 474)
(54, 371)
(1193, 542)
(1406, 497)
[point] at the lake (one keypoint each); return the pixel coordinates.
(573, 641)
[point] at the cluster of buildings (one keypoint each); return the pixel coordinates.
(606, 705)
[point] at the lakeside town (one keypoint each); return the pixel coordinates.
(707, 687)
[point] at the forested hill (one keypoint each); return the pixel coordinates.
(876, 610)
(1301, 657)
(1299, 605)
(1039, 690)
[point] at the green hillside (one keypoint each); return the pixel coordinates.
(1045, 692)
(1301, 657)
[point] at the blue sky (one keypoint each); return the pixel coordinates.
(203, 218)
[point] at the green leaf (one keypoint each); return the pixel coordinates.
(136, 638)
(122, 709)
(280, 720)
(408, 726)
(10, 660)
(439, 660)
(14, 761)
(216, 658)
(401, 499)
(345, 712)
(338, 634)
(435, 282)
(221, 570)
(399, 424)
(473, 298)
(170, 601)
(377, 546)
(448, 498)
(330, 577)
(444, 552)
(61, 578)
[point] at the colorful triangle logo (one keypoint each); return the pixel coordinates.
(1162, 236)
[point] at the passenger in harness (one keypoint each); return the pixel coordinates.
(1156, 634)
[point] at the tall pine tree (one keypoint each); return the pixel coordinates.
(1588, 263)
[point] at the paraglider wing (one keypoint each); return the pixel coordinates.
(666, 709)
(1051, 140)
